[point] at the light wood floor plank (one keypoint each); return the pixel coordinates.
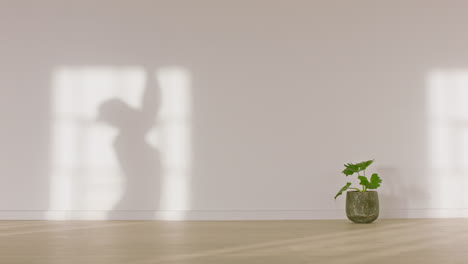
(221, 242)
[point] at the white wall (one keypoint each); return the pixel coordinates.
(274, 96)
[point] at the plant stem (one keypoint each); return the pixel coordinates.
(364, 188)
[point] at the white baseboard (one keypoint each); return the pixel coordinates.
(225, 215)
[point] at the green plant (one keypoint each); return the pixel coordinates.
(367, 184)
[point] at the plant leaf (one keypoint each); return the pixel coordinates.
(364, 181)
(364, 164)
(343, 189)
(350, 169)
(375, 181)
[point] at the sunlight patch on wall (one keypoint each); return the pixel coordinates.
(121, 142)
(85, 173)
(175, 139)
(448, 135)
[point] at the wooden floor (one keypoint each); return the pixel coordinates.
(441, 241)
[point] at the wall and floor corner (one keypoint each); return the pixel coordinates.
(230, 110)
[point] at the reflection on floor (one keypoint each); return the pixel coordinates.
(146, 242)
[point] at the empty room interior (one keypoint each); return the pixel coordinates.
(233, 131)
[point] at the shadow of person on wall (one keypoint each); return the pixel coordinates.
(139, 160)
